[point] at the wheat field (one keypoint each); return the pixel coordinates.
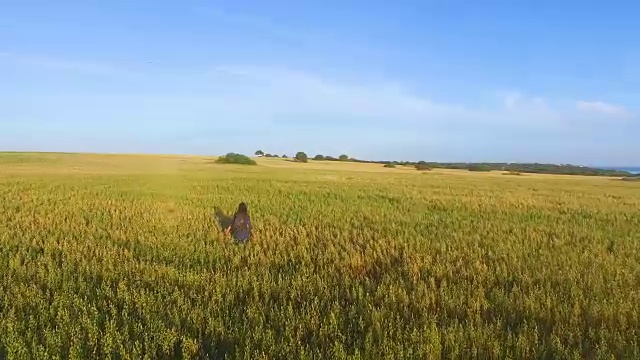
(121, 256)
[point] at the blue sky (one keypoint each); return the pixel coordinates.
(530, 81)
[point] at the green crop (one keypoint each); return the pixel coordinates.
(105, 256)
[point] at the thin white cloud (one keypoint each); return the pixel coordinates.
(289, 109)
(516, 100)
(602, 108)
(267, 94)
(59, 64)
(286, 86)
(281, 91)
(512, 100)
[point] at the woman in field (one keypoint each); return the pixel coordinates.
(240, 227)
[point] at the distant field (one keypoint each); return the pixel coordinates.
(120, 256)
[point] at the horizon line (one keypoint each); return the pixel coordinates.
(603, 167)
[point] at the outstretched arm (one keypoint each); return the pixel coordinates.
(228, 229)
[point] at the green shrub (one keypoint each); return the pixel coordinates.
(392, 166)
(233, 158)
(423, 167)
(301, 157)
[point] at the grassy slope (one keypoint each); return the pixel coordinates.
(107, 254)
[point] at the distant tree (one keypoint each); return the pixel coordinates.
(268, 155)
(302, 157)
(319, 157)
(343, 157)
(233, 158)
(284, 156)
(259, 153)
(479, 168)
(423, 167)
(276, 156)
(330, 158)
(390, 165)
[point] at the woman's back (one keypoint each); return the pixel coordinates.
(241, 225)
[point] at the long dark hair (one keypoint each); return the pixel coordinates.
(242, 208)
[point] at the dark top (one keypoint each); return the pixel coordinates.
(241, 226)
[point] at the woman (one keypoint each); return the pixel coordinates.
(240, 227)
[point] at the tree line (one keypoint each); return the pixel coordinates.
(513, 168)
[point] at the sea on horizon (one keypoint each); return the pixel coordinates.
(631, 169)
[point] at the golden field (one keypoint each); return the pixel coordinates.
(120, 256)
